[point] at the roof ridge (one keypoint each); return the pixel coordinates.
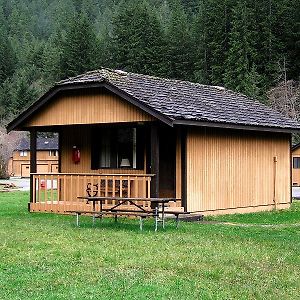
(172, 80)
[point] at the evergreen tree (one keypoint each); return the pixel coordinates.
(200, 45)
(252, 83)
(7, 56)
(79, 47)
(240, 70)
(218, 16)
(138, 43)
(268, 47)
(288, 32)
(51, 60)
(18, 92)
(179, 52)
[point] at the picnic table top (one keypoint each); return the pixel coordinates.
(161, 200)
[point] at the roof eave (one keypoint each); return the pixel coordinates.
(235, 126)
(13, 125)
(295, 147)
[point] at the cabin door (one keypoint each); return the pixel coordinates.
(167, 160)
(25, 170)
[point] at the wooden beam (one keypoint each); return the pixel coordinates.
(33, 168)
(60, 133)
(183, 169)
(154, 153)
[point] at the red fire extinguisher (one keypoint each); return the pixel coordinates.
(75, 155)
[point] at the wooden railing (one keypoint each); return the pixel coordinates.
(60, 192)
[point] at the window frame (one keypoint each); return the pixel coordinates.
(139, 147)
(296, 162)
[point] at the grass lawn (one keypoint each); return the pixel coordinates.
(45, 256)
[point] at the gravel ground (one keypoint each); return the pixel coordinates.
(296, 192)
(21, 183)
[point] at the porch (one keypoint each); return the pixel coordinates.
(132, 160)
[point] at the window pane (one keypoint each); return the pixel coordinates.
(105, 150)
(23, 153)
(125, 146)
(296, 162)
(116, 148)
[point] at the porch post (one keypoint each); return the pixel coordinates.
(183, 169)
(59, 150)
(32, 162)
(154, 153)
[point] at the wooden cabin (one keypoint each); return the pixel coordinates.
(131, 135)
(296, 165)
(46, 157)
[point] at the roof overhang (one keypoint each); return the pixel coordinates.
(235, 126)
(16, 124)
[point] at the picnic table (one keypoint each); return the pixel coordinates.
(158, 212)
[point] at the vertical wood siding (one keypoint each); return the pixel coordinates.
(296, 172)
(231, 169)
(87, 107)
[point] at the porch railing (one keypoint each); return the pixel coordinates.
(60, 192)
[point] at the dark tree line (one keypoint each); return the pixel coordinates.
(246, 45)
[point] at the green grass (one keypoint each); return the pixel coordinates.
(45, 256)
(290, 216)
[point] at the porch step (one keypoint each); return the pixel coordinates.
(191, 217)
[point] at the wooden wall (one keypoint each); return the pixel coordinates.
(232, 171)
(296, 172)
(87, 107)
(20, 165)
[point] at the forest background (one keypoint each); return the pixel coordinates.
(249, 46)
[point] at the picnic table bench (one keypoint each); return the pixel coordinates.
(117, 210)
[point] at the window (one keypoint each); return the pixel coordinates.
(23, 153)
(52, 153)
(296, 162)
(117, 148)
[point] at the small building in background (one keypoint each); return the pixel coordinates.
(296, 165)
(47, 157)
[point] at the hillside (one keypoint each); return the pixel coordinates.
(249, 46)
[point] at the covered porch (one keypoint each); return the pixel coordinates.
(127, 160)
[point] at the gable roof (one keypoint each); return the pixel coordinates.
(175, 102)
(41, 144)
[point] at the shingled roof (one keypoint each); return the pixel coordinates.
(183, 100)
(41, 144)
(180, 102)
